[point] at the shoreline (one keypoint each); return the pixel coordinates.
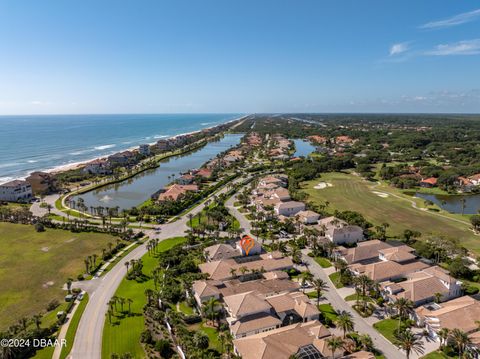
(79, 164)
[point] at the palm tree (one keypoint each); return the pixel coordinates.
(438, 297)
(200, 340)
(403, 306)
(210, 309)
(345, 322)
(129, 301)
(443, 334)
(334, 343)
(233, 272)
(461, 340)
(320, 285)
(409, 342)
(37, 319)
(366, 342)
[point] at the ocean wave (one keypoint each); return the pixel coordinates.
(32, 161)
(206, 123)
(12, 164)
(77, 153)
(160, 136)
(104, 147)
(5, 179)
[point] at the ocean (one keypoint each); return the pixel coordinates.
(33, 143)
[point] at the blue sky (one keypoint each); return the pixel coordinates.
(158, 56)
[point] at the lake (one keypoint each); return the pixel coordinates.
(138, 189)
(453, 203)
(303, 148)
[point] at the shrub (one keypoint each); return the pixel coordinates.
(52, 305)
(39, 227)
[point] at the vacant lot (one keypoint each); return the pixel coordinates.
(381, 203)
(34, 266)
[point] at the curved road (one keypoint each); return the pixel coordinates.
(88, 339)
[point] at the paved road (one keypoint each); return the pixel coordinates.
(88, 339)
(244, 222)
(361, 325)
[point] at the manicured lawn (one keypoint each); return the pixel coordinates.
(72, 328)
(324, 262)
(335, 278)
(436, 355)
(123, 334)
(211, 332)
(34, 266)
(328, 311)
(185, 308)
(388, 204)
(353, 297)
(387, 328)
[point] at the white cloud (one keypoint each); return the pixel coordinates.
(465, 47)
(453, 21)
(399, 48)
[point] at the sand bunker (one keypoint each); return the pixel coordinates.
(323, 185)
(70, 240)
(48, 284)
(381, 194)
(45, 249)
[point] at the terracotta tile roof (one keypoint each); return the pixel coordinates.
(221, 251)
(458, 313)
(430, 180)
(385, 270)
(281, 343)
(175, 191)
(254, 322)
(364, 251)
(220, 269)
(246, 303)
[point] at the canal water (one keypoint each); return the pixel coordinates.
(138, 189)
(303, 148)
(453, 203)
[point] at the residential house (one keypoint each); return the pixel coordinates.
(176, 192)
(16, 191)
(121, 159)
(289, 209)
(475, 179)
(428, 182)
(232, 267)
(186, 178)
(308, 217)
(363, 253)
(302, 340)
(144, 150)
(460, 313)
(98, 167)
(267, 286)
(221, 251)
(423, 286)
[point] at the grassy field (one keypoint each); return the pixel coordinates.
(123, 335)
(34, 266)
(323, 262)
(381, 203)
(72, 328)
